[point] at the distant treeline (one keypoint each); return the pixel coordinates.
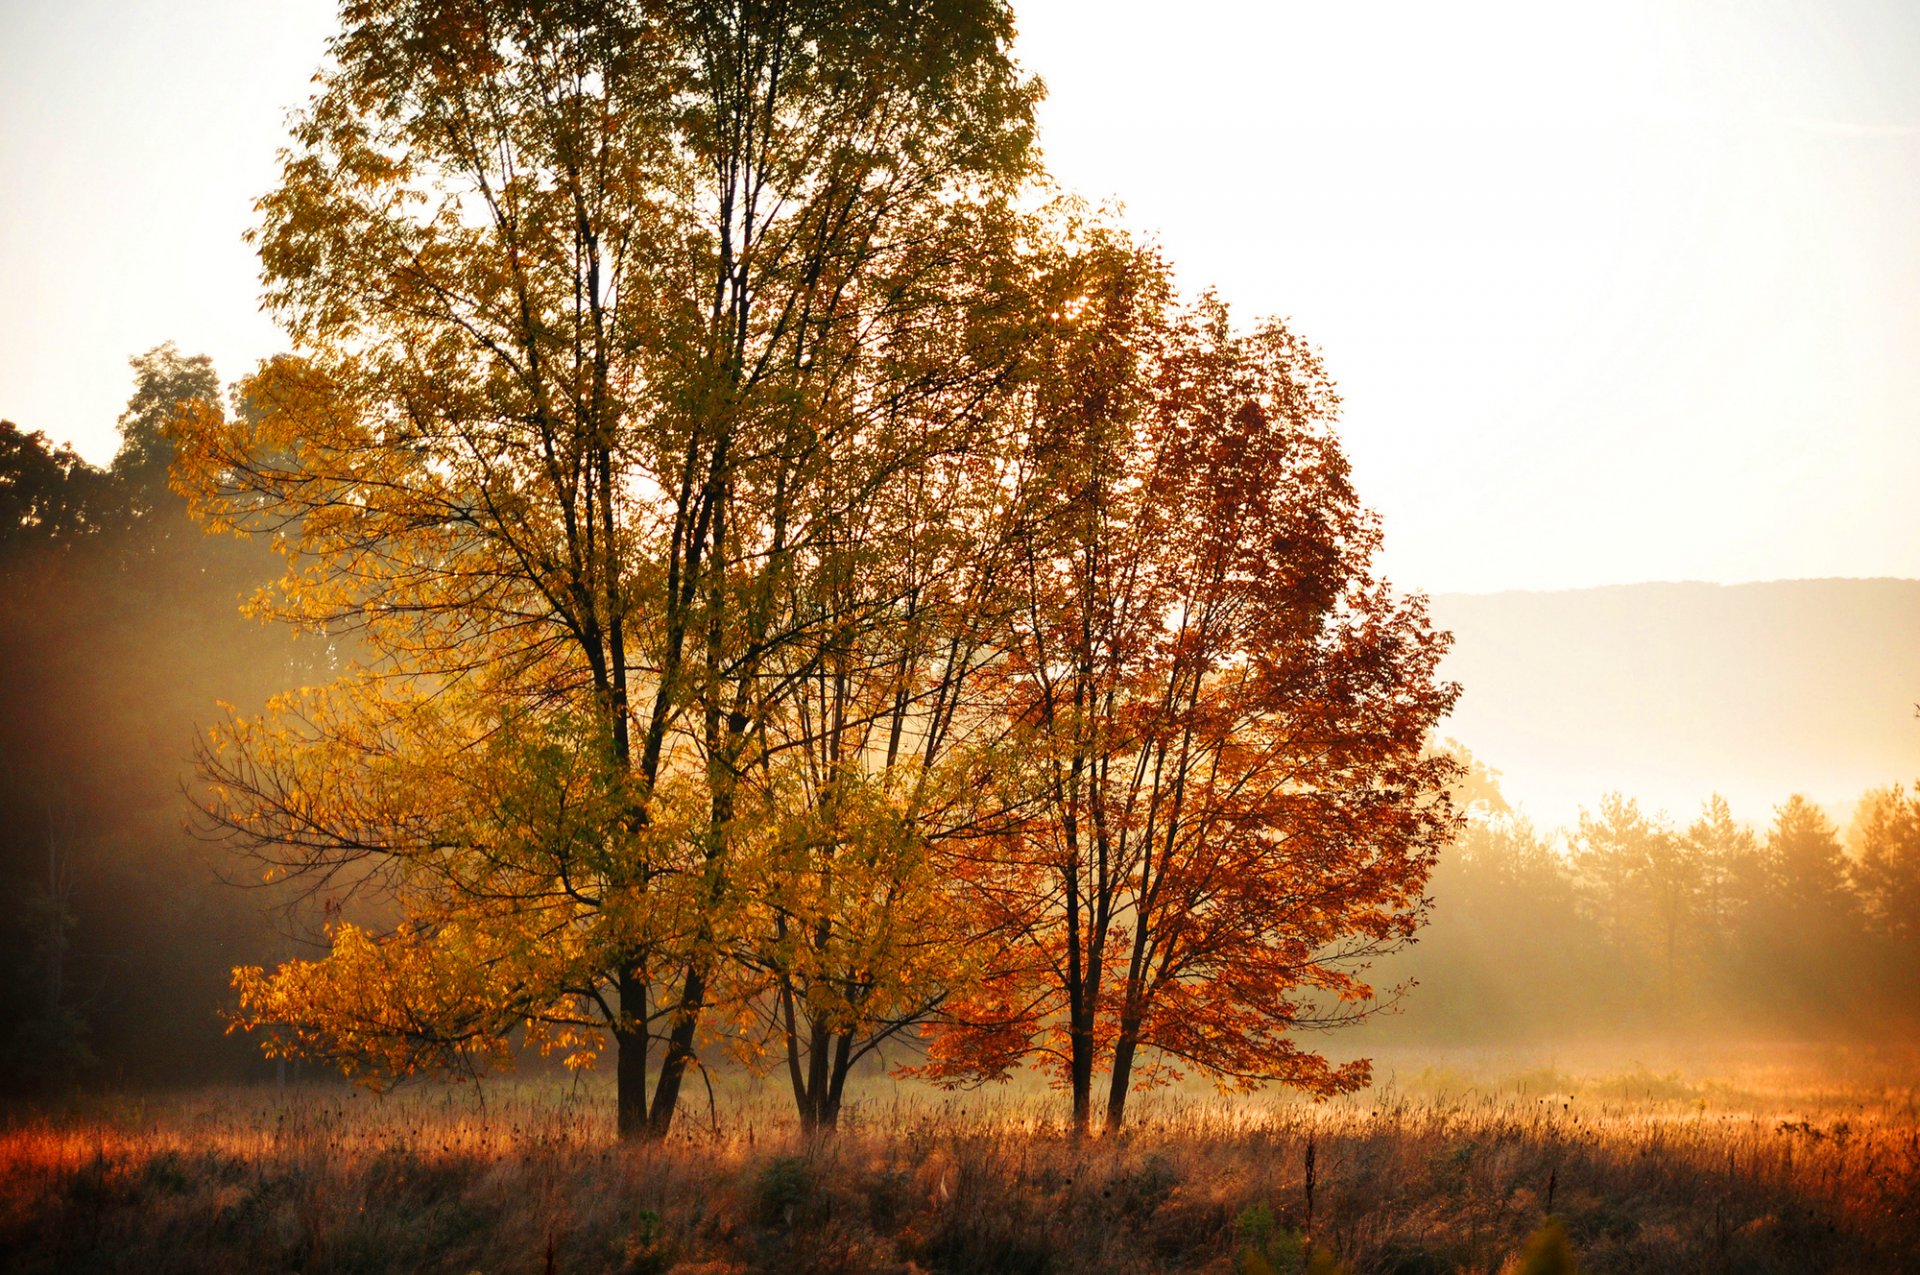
(120, 629)
(1630, 924)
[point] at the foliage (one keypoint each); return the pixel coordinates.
(1886, 836)
(165, 382)
(1548, 1251)
(48, 494)
(781, 580)
(119, 629)
(1630, 924)
(1222, 712)
(1642, 890)
(1265, 1246)
(620, 327)
(697, 444)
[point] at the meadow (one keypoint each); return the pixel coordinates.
(1768, 1161)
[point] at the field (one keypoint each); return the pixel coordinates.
(1772, 1161)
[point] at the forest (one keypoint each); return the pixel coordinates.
(739, 587)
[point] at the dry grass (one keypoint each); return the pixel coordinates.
(1439, 1170)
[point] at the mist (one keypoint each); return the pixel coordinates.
(1631, 930)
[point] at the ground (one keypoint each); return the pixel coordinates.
(1771, 1160)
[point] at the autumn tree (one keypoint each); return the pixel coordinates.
(609, 315)
(1222, 707)
(876, 774)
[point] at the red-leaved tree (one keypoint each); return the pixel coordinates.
(1230, 810)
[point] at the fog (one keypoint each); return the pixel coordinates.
(1631, 930)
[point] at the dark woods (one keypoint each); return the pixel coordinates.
(119, 629)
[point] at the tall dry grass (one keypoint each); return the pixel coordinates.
(1437, 1171)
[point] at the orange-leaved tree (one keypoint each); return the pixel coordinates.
(1223, 710)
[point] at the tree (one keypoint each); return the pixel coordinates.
(1224, 711)
(120, 628)
(1506, 935)
(1886, 838)
(1805, 913)
(165, 381)
(48, 1043)
(1734, 882)
(1476, 788)
(876, 778)
(49, 496)
(1810, 864)
(609, 315)
(1729, 864)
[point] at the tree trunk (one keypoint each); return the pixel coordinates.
(837, 1087)
(798, 1079)
(819, 1089)
(673, 1067)
(1080, 1040)
(1123, 1050)
(1080, 1010)
(630, 1060)
(818, 1061)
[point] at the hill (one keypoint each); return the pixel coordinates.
(1669, 692)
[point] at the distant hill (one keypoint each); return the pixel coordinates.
(1669, 692)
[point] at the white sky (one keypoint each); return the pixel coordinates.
(1618, 292)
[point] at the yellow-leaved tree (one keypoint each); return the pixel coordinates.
(616, 323)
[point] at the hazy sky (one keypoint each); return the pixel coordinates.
(1615, 292)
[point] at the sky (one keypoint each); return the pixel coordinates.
(1613, 292)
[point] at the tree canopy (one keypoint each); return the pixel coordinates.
(1223, 713)
(703, 446)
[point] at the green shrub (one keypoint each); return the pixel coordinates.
(786, 1193)
(644, 1250)
(1266, 1247)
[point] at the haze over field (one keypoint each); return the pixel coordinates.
(1657, 257)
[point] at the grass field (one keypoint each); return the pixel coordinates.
(1774, 1161)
